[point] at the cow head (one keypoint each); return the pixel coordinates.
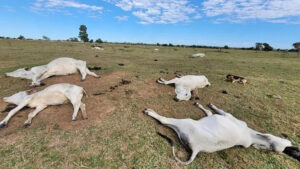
(182, 94)
(22, 73)
(205, 83)
(16, 98)
(270, 142)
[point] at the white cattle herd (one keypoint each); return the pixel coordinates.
(212, 133)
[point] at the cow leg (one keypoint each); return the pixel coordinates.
(195, 94)
(217, 110)
(170, 122)
(32, 115)
(91, 73)
(76, 107)
(4, 122)
(163, 81)
(45, 76)
(75, 97)
(173, 123)
(38, 79)
(76, 102)
(206, 111)
(83, 111)
(82, 70)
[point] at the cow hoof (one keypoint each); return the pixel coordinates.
(26, 125)
(146, 111)
(73, 119)
(82, 80)
(159, 80)
(42, 84)
(177, 100)
(2, 125)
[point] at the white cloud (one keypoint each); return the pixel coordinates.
(58, 5)
(174, 11)
(159, 11)
(122, 18)
(8, 8)
(279, 11)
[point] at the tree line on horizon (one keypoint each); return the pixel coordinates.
(83, 36)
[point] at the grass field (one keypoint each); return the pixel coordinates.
(117, 133)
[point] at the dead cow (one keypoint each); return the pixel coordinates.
(53, 95)
(234, 78)
(59, 66)
(186, 85)
(218, 132)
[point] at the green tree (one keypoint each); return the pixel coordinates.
(21, 37)
(258, 46)
(226, 47)
(83, 34)
(267, 47)
(99, 40)
(297, 47)
(74, 39)
(46, 38)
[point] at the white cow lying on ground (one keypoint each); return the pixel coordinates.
(218, 132)
(201, 55)
(53, 95)
(184, 85)
(98, 48)
(59, 66)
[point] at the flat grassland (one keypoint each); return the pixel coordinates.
(117, 133)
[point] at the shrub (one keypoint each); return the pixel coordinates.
(267, 47)
(21, 37)
(45, 38)
(74, 39)
(99, 40)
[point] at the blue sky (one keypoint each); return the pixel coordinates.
(237, 23)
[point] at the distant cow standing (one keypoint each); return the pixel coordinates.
(59, 66)
(53, 95)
